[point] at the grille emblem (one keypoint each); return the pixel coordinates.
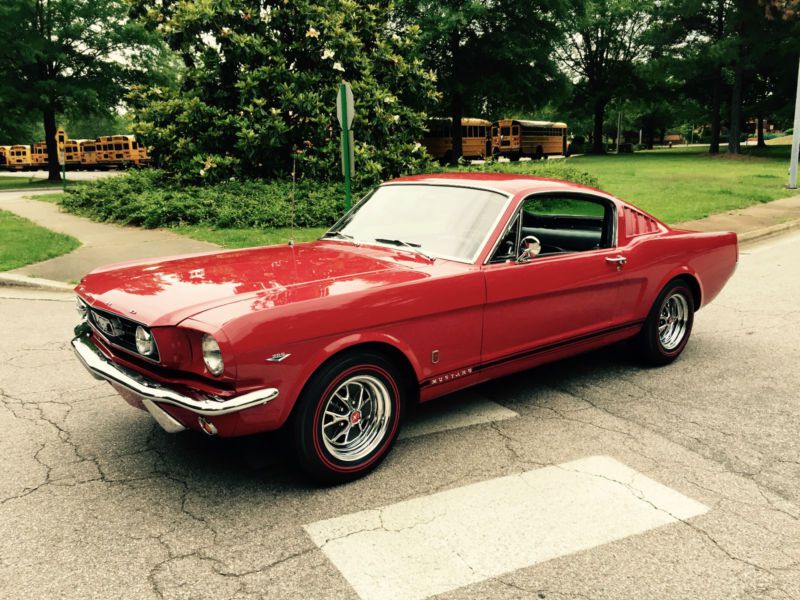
(105, 325)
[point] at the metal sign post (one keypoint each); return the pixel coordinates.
(61, 142)
(344, 113)
(795, 137)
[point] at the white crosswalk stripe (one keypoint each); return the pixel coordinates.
(428, 545)
(460, 410)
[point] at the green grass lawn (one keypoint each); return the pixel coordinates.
(21, 183)
(24, 243)
(683, 184)
(53, 197)
(243, 238)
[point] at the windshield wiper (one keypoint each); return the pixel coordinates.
(415, 248)
(344, 236)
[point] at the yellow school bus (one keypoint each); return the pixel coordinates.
(514, 138)
(72, 154)
(142, 158)
(88, 156)
(20, 158)
(39, 155)
(117, 151)
(5, 156)
(438, 140)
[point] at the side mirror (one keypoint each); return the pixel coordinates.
(530, 247)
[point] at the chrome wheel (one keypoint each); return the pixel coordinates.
(355, 417)
(672, 321)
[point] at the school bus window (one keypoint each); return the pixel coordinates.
(516, 130)
(505, 131)
(494, 131)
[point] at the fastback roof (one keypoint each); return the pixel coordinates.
(504, 182)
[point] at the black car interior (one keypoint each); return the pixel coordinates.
(561, 223)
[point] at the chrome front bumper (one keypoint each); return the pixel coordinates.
(152, 393)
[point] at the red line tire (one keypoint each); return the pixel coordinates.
(666, 331)
(348, 416)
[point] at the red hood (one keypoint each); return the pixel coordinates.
(166, 291)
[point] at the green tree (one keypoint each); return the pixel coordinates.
(70, 55)
(489, 55)
(258, 87)
(604, 40)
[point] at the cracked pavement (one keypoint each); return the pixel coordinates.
(96, 501)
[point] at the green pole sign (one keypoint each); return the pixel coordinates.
(61, 142)
(344, 112)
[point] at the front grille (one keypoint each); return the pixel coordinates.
(119, 331)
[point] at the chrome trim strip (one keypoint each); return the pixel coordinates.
(102, 368)
(162, 417)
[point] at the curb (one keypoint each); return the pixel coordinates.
(765, 232)
(18, 190)
(12, 280)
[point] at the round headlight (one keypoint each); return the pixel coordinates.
(212, 355)
(144, 341)
(80, 306)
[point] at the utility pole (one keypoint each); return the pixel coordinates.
(619, 122)
(795, 137)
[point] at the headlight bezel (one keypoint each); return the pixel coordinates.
(212, 355)
(144, 337)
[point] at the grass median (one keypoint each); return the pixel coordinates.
(683, 184)
(10, 182)
(24, 242)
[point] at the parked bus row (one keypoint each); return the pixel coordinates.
(511, 138)
(106, 152)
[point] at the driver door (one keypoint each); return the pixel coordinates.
(551, 300)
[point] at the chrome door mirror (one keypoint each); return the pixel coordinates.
(529, 247)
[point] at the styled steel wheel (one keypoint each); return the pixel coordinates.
(672, 321)
(355, 417)
(348, 416)
(666, 331)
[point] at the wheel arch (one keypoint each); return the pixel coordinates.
(691, 278)
(388, 346)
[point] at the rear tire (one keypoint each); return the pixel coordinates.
(348, 416)
(667, 328)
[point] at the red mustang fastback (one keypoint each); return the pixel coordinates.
(428, 285)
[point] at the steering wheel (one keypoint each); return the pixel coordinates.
(530, 247)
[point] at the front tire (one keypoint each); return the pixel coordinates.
(668, 326)
(348, 416)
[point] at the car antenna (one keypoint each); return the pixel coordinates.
(291, 198)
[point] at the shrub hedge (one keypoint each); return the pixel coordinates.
(149, 199)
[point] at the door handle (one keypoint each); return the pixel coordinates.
(618, 260)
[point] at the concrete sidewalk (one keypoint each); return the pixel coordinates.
(754, 222)
(101, 243)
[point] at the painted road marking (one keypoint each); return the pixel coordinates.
(432, 544)
(461, 410)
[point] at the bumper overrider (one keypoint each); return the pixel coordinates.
(153, 394)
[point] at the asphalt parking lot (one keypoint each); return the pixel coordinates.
(589, 478)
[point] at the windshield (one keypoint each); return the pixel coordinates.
(437, 220)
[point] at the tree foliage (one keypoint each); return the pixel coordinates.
(77, 55)
(604, 41)
(489, 55)
(259, 83)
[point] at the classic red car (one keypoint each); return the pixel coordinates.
(428, 285)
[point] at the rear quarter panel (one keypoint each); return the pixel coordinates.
(654, 260)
